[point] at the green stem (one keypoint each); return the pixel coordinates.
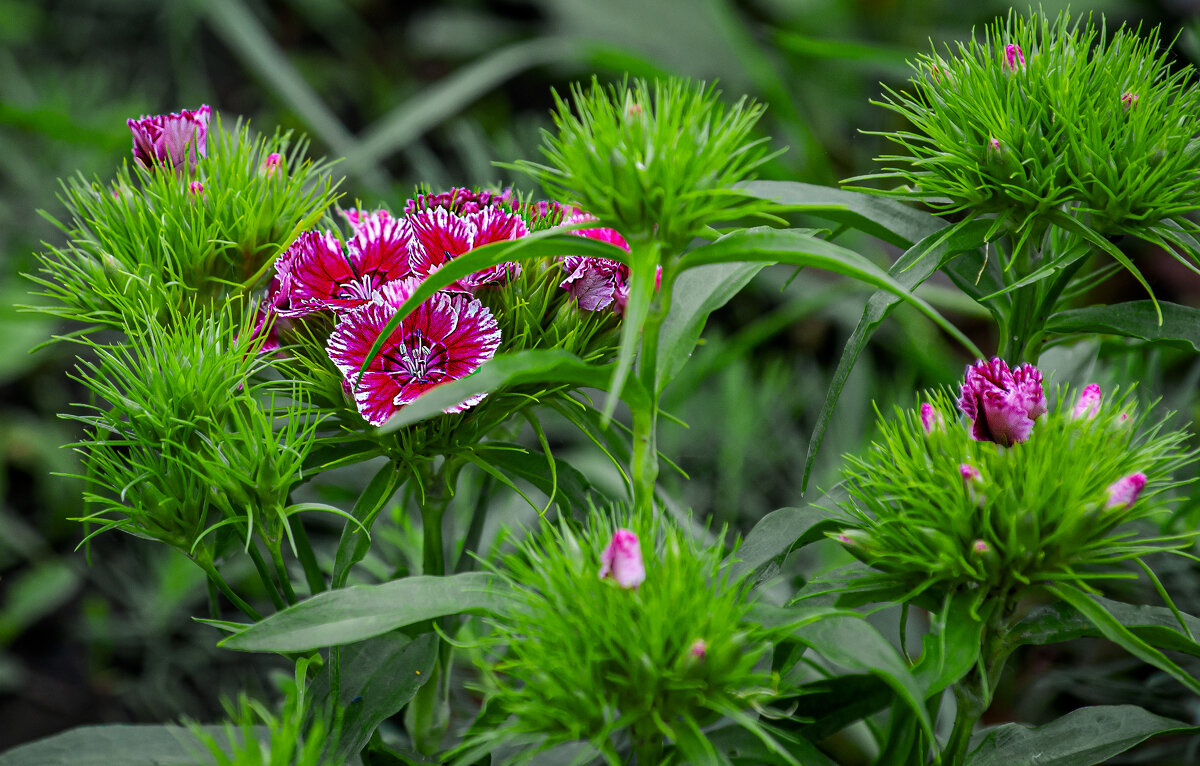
(264, 574)
(285, 581)
(645, 421)
(475, 530)
(308, 558)
(216, 579)
(973, 694)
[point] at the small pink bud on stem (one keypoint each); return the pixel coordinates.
(622, 560)
(1124, 492)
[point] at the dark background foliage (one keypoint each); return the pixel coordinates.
(433, 93)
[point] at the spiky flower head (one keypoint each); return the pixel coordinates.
(170, 140)
(585, 659)
(1058, 504)
(1035, 120)
(648, 160)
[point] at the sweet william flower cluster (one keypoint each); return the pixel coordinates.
(363, 281)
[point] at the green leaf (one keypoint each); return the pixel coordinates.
(782, 531)
(799, 247)
(1156, 625)
(832, 704)
(1114, 631)
(1083, 737)
(742, 746)
(1133, 319)
(128, 745)
(847, 639)
(379, 677)
(894, 222)
(697, 294)
(1074, 226)
(952, 647)
(542, 244)
(550, 367)
(910, 270)
(522, 463)
(360, 612)
(354, 543)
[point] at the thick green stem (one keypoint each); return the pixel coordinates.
(973, 694)
(645, 420)
(428, 715)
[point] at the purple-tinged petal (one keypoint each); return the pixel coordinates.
(196, 188)
(460, 201)
(1124, 492)
(1129, 100)
(1001, 403)
(622, 560)
(1088, 405)
(1014, 57)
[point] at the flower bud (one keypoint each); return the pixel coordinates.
(272, 163)
(1014, 58)
(1124, 492)
(196, 188)
(980, 547)
(1001, 403)
(622, 560)
(931, 419)
(1088, 405)
(1129, 100)
(170, 139)
(972, 482)
(698, 649)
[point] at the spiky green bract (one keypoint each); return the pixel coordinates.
(589, 660)
(1096, 123)
(294, 737)
(1036, 513)
(648, 160)
(149, 240)
(185, 433)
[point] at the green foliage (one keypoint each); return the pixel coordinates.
(587, 659)
(1036, 515)
(149, 241)
(652, 161)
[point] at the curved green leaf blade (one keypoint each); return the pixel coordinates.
(354, 543)
(782, 531)
(1156, 625)
(800, 248)
(1073, 225)
(518, 462)
(542, 244)
(360, 612)
(1083, 737)
(698, 293)
(1133, 319)
(911, 269)
(551, 367)
(951, 649)
(894, 222)
(128, 745)
(1113, 630)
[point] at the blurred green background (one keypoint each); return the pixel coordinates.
(433, 93)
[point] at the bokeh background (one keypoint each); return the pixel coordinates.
(433, 93)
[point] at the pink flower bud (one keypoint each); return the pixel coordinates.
(196, 188)
(622, 560)
(170, 139)
(981, 547)
(1088, 405)
(698, 649)
(970, 474)
(994, 144)
(1014, 59)
(1001, 403)
(1124, 492)
(271, 164)
(1129, 100)
(1123, 419)
(931, 419)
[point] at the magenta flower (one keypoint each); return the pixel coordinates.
(1088, 405)
(931, 419)
(1124, 492)
(316, 274)
(446, 338)
(459, 201)
(622, 560)
(594, 282)
(439, 236)
(267, 320)
(271, 164)
(360, 218)
(1014, 58)
(1001, 403)
(168, 139)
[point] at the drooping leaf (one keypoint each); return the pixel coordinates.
(782, 531)
(1133, 319)
(1156, 625)
(547, 366)
(1113, 630)
(951, 648)
(698, 293)
(1083, 737)
(360, 612)
(894, 222)
(916, 265)
(740, 746)
(800, 247)
(832, 704)
(128, 745)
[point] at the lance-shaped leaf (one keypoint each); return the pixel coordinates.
(344, 616)
(1083, 737)
(783, 530)
(545, 366)
(128, 745)
(1133, 319)
(1156, 625)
